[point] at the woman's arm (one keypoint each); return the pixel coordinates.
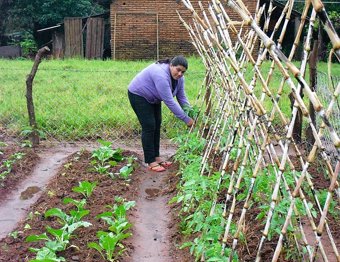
(163, 88)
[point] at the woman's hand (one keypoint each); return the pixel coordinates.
(190, 123)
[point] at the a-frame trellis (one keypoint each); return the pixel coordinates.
(244, 100)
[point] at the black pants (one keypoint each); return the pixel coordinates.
(150, 118)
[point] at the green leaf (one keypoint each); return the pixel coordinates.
(78, 215)
(34, 238)
(58, 233)
(76, 225)
(78, 203)
(56, 212)
(129, 204)
(47, 255)
(56, 246)
(120, 211)
(85, 187)
(105, 214)
(104, 143)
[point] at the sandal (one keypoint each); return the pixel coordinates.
(165, 164)
(156, 168)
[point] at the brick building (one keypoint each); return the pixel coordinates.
(151, 29)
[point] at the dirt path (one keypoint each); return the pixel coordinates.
(14, 207)
(152, 217)
(151, 220)
(326, 243)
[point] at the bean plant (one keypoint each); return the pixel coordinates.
(196, 194)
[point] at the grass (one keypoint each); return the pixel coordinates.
(75, 98)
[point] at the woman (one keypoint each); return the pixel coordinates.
(161, 81)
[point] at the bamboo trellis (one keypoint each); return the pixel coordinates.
(241, 106)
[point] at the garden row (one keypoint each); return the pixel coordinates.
(211, 209)
(16, 162)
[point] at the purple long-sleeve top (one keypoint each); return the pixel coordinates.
(154, 84)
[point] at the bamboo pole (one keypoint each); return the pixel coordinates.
(233, 99)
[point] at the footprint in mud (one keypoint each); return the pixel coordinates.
(29, 192)
(152, 192)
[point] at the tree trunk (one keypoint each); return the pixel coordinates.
(34, 136)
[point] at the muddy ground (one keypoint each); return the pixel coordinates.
(154, 234)
(58, 169)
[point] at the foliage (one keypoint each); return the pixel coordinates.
(109, 244)
(106, 157)
(191, 111)
(334, 210)
(28, 130)
(60, 238)
(28, 45)
(46, 13)
(7, 165)
(85, 188)
(196, 194)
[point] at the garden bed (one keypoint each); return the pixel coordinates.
(16, 163)
(80, 167)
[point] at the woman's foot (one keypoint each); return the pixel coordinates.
(163, 163)
(156, 167)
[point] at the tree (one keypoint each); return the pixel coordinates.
(35, 14)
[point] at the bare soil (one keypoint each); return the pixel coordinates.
(153, 231)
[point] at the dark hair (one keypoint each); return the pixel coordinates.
(175, 61)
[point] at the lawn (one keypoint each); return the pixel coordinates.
(77, 99)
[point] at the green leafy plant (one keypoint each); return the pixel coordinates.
(109, 244)
(60, 237)
(7, 165)
(191, 111)
(105, 157)
(126, 170)
(333, 209)
(85, 188)
(28, 45)
(14, 234)
(28, 130)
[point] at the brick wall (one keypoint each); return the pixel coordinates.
(134, 28)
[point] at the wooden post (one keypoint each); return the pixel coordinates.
(297, 129)
(313, 83)
(207, 94)
(114, 37)
(34, 136)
